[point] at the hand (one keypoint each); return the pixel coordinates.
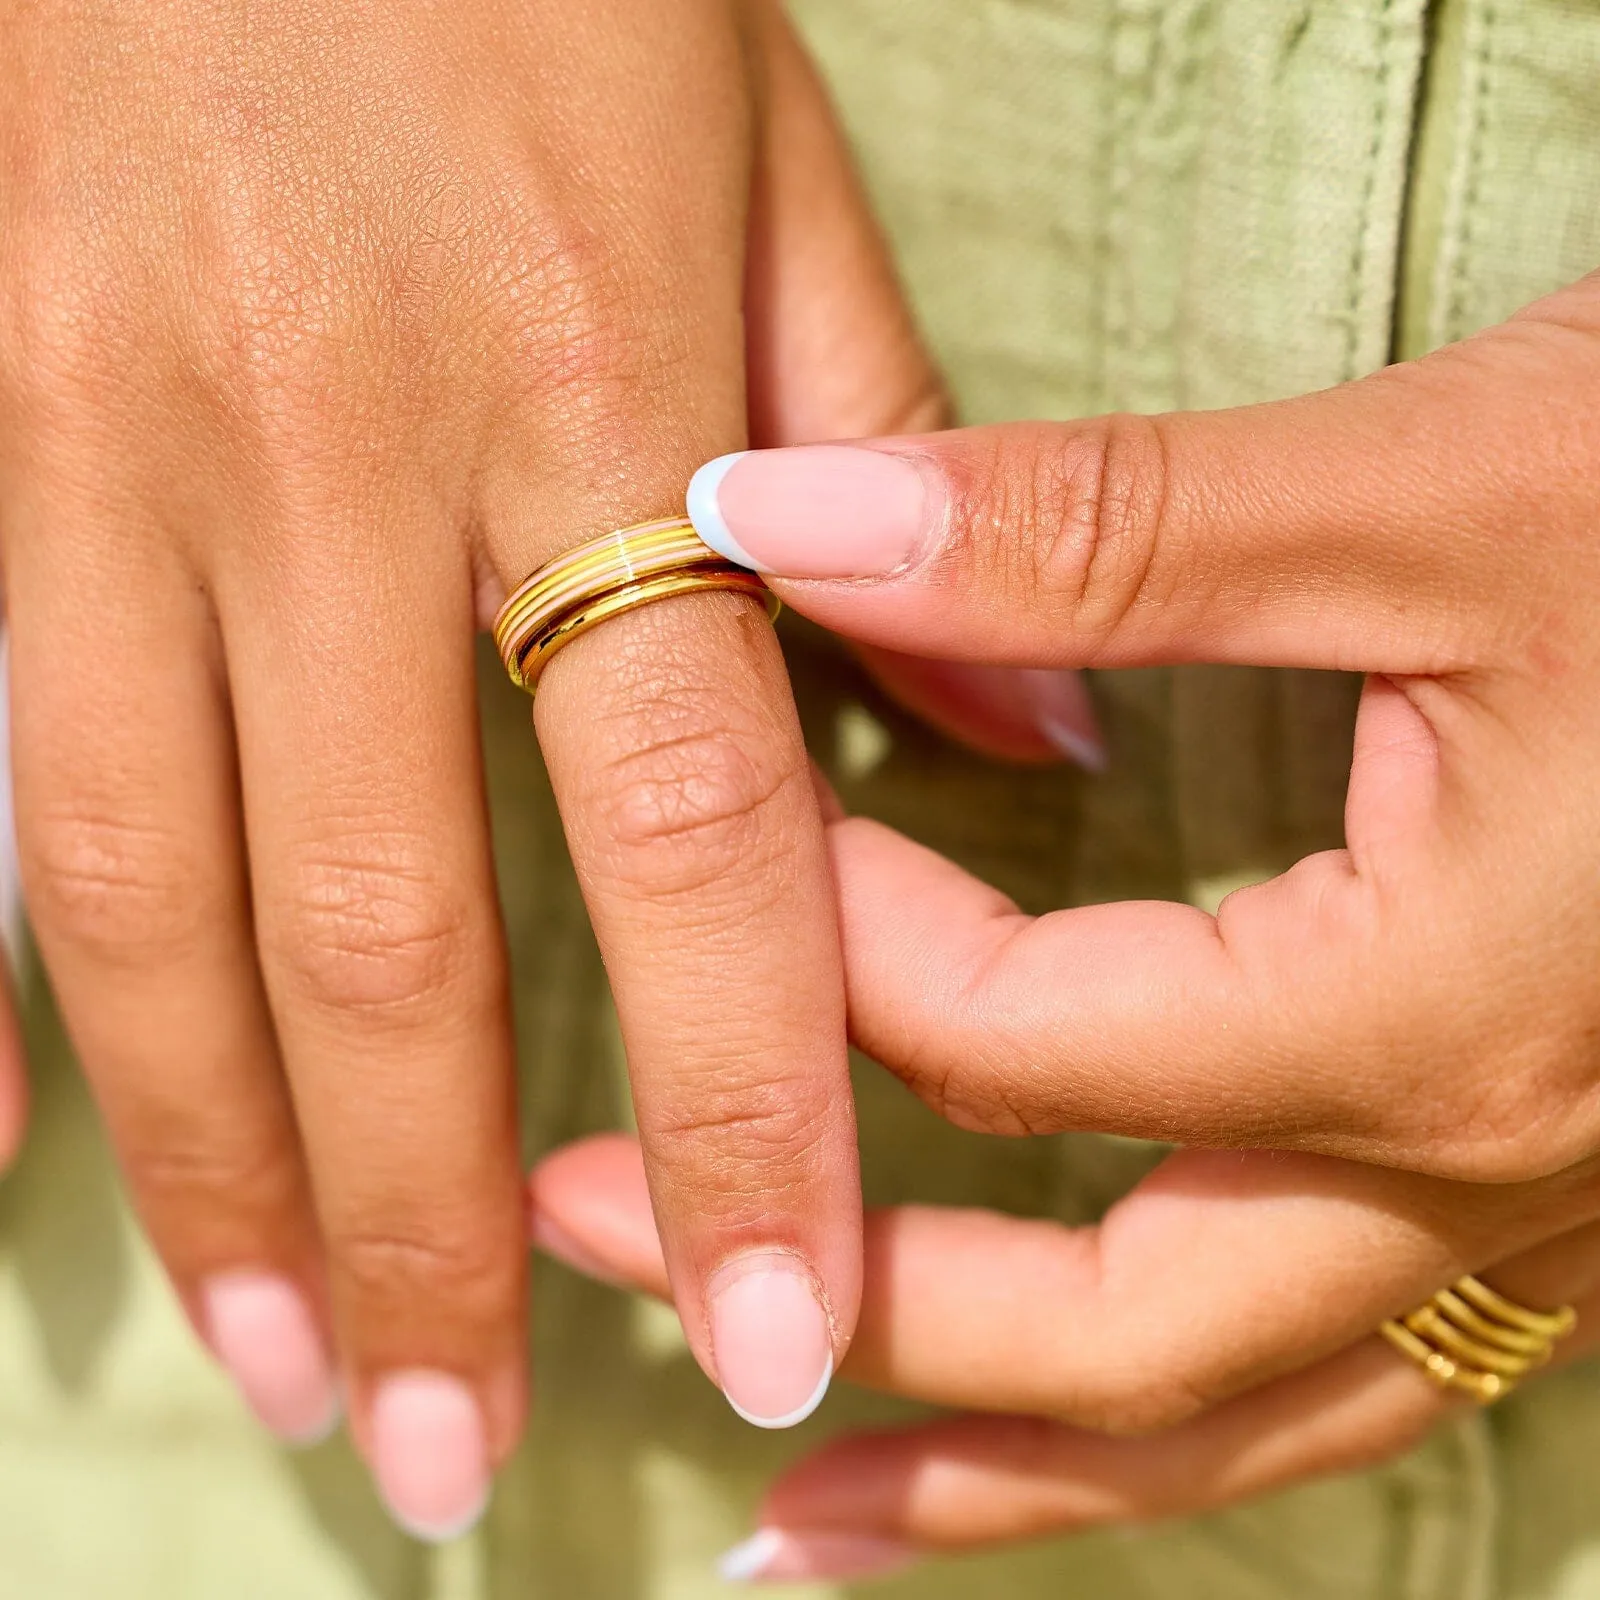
(1420, 1005)
(320, 328)
(1223, 1302)
(1423, 998)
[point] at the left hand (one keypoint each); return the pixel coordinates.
(1415, 1015)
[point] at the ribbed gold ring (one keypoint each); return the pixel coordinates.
(581, 589)
(1469, 1338)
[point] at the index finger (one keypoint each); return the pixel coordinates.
(1371, 527)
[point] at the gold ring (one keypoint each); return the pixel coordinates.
(581, 589)
(1467, 1337)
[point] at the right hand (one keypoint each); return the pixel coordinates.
(320, 327)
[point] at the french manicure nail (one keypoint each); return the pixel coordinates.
(429, 1453)
(1064, 714)
(777, 1555)
(770, 1340)
(262, 1331)
(813, 511)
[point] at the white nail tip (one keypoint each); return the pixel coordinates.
(790, 1418)
(1086, 752)
(706, 514)
(443, 1532)
(751, 1558)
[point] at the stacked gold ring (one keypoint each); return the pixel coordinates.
(581, 589)
(1467, 1337)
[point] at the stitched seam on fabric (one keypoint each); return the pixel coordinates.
(1363, 245)
(1482, 57)
(1483, 1516)
(1119, 178)
(1458, 181)
(1133, 95)
(1104, 238)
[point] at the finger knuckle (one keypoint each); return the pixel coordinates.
(374, 931)
(459, 1261)
(175, 1168)
(683, 813)
(972, 1095)
(122, 892)
(561, 293)
(1130, 1401)
(61, 328)
(1515, 1112)
(1083, 512)
(762, 1123)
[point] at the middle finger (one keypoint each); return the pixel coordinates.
(382, 954)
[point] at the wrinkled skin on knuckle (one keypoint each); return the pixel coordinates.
(975, 1095)
(562, 298)
(683, 813)
(127, 894)
(749, 1117)
(1513, 1101)
(1132, 1399)
(454, 1257)
(1074, 513)
(366, 930)
(721, 1155)
(187, 1174)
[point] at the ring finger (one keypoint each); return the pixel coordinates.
(129, 838)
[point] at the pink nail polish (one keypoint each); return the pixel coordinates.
(262, 1331)
(429, 1453)
(770, 1340)
(814, 511)
(779, 1555)
(1062, 711)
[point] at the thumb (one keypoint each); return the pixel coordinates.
(834, 353)
(1384, 525)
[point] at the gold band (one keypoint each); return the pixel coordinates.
(581, 589)
(1467, 1337)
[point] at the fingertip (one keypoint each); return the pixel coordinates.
(589, 1207)
(599, 1175)
(771, 1338)
(794, 1555)
(1063, 712)
(704, 506)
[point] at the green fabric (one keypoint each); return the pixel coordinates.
(1098, 203)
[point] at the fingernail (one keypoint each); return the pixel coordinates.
(770, 1340)
(814, 511)
(556, 1242)
(429, 1453)
(262, 1331)
(776, 1555)
(1063, 712)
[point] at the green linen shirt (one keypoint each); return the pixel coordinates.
(1097, 204)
